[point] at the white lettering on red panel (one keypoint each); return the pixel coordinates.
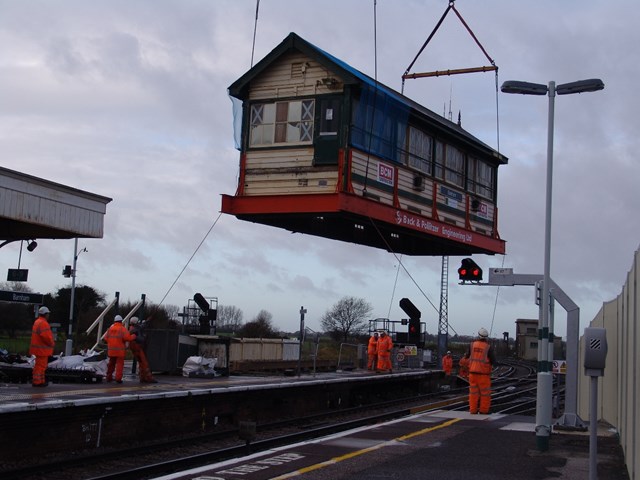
(385, 174)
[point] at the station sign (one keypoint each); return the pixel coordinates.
(22, 297)
(502, 271)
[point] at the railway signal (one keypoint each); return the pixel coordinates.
(414, 320)
(469, 271)
(414, 330)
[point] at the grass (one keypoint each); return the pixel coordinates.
(20, 345)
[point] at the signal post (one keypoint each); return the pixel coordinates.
(505, 277)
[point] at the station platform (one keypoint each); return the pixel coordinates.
(440, 445)
(18, 397)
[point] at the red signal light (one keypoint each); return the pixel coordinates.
(469, 270)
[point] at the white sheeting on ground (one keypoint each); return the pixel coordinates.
(91, 362)
(199, 366)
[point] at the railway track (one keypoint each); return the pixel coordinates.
(514, 389)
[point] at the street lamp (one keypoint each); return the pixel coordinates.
(544, 378)
(69, 345)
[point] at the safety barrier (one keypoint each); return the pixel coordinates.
(618, 388)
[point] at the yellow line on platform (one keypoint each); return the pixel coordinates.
(347, 456)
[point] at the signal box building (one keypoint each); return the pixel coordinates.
(328, 151)
(527, 341)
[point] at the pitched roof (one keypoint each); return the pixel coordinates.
(351, 76)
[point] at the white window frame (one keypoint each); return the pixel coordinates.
(287, 122)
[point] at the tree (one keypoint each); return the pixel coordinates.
(88, 304)
(347, 318)
(229, 318)
(260, 327)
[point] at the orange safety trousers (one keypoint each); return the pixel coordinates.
(373, 360)
(384, 362)
(117, 364)
(479, 393)
(143, 364)
(39, 368)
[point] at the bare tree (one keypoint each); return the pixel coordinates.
(347, 318)
(260, 327)
(229, 317)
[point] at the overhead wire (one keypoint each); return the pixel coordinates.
(255, 29)
(393, 293)
(400, 263)
(375, 94)
(495, 304)
(494, 67)
(190, 258)
(253, 48)
(398, 258)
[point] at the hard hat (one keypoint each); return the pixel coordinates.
(375, 333)
(133, 320)
(448, 352)
(43, 310)
(483, 332)
(118, 318)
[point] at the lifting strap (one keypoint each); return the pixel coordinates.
(437, 73)
(487, 68)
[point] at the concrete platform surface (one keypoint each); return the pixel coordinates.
(440, 445)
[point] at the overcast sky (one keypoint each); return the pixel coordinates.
(128, 99)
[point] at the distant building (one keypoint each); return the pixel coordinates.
(527, 341)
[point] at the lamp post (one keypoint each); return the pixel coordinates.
(544, 378)
(69, 345)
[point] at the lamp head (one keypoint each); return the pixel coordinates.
(581, 86)
(524, 88)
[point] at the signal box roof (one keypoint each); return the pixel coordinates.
(351, 76)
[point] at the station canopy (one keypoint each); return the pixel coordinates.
(32, 208)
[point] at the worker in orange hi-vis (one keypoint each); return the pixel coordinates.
(463, 366)
(481, 361)
(372, 351)
(41, 347)
(385, 345)
(447, 364)
(137, 349)
(117, 335)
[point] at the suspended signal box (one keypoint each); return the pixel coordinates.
(328, 151)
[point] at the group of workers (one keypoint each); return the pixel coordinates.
(118, 339)
(379, 352)
(475, 365)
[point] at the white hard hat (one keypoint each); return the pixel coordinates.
(133, 320)
(43, 310)
(118, 318)
(448, 352)
(483, 332)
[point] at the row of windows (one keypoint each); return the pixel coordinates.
(293, 122)
(451, 164)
